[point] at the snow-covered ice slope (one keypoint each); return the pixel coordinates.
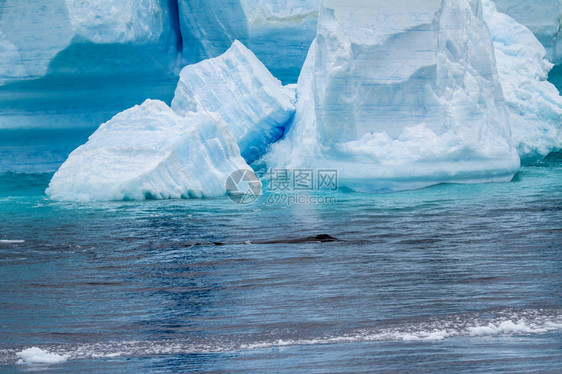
(150, 152)
(250, 101)
(534, 104)
(542, 17)
(401, 95)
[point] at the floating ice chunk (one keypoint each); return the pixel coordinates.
(253, 104)
(149, 152)
(389, 114)
(534, 104)
(36, 355)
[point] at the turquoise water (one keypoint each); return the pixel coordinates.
(453, 278)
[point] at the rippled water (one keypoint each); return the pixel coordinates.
(454, 278)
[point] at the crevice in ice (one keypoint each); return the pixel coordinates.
(175, 23)
(555, 77)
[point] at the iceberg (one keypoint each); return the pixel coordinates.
(251, 102)
(534, 104)
(380, 78)
(396, 100)
(221, 106)
(150, 152)
(543, 18)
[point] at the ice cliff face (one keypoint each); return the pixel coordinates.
(73, 63)
(39, 33)
(534, 105)
(542, 17)
(289, 25)
(278, 32)
(32, 36)
(396, 100)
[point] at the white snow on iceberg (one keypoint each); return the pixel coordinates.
(399, 100)
(251, 102)
(534, 104)
(150, 152)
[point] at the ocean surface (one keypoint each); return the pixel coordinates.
(451, 279)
